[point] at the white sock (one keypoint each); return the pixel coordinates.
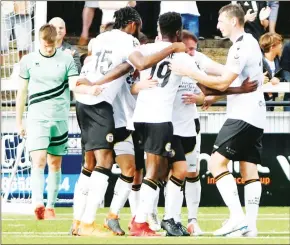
(134, 199)
(97, 188)
(172, 195)
(227, 187)
(156, 200)
(252, 200)
(121, 193)
(179, 202)
(81, 194)
(147, 197)
(192, 196)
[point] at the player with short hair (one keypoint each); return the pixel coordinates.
(44, 74)
(153, 116)
(95, 111)
(246, 115)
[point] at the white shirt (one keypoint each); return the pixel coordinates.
(182, 7)
(245, 59)
(109, 49)
(155, 105)
(184, 115)
(124, 105)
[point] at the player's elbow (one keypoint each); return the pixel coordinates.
(223, 86)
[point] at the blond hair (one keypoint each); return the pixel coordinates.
(269, 40)
(48, 33)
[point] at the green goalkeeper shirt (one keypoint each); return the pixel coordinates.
(48, 88)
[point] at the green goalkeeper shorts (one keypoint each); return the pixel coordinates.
(47, 135)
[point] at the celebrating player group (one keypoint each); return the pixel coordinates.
(136, 101)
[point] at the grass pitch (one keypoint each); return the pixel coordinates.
(273, 226)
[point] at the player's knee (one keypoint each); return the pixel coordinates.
(90, 160)
(104, 158)
(179, 170)
(192, 174)
(38, 158)
(129, 170)
(54, 163)
(248, 171)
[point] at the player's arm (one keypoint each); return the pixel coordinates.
(208, 65)
(141, 62)
(20, 104)
(220, 83)
(246, 87)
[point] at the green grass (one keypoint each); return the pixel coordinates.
(273, 225)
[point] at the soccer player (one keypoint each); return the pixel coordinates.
(246, 115)
(95, 112)
(44, 74)
(153, 115)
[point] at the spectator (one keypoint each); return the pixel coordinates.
(188, 11)
(59, 24)
(271, 45)
(256, 17)
(274, 6)
(108, 8)
(88, 16)
(16, 16)
(285, 64)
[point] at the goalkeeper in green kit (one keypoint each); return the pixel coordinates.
(44, 75)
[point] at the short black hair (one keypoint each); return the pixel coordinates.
(124, 16)
(170, 23)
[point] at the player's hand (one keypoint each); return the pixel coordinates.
(95, 90)
(178, 68)
(208, 101)
(266, 78)
(148, 83)
(83, 81)
(21, 130)
(189, 98)
(69, 51)
(179, 47)
(250, 16)
(249, 86)
(275, 80)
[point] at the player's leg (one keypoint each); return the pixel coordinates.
(249, 172)
(38, 134)
(228, 145)
(98, 123)
(57, 148)
(252, 195)
(193, 189)
(174, 190)
(156, 138)
(124, 151)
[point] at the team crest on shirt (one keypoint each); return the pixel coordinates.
(110, 137)
(168, 147)
(172, 153)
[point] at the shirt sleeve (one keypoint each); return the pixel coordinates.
(202, 60)
(24, 71)
(237, 59)
(72, 69)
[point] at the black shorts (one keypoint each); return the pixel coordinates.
(121, 134)
(139, 153)
(180, 147)
(197, 125)
(155, 138)
(97, 125)
(239, 141)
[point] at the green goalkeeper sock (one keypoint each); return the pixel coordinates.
(37, 185)
(54, 179)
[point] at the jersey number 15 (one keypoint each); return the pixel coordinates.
(104, 61)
